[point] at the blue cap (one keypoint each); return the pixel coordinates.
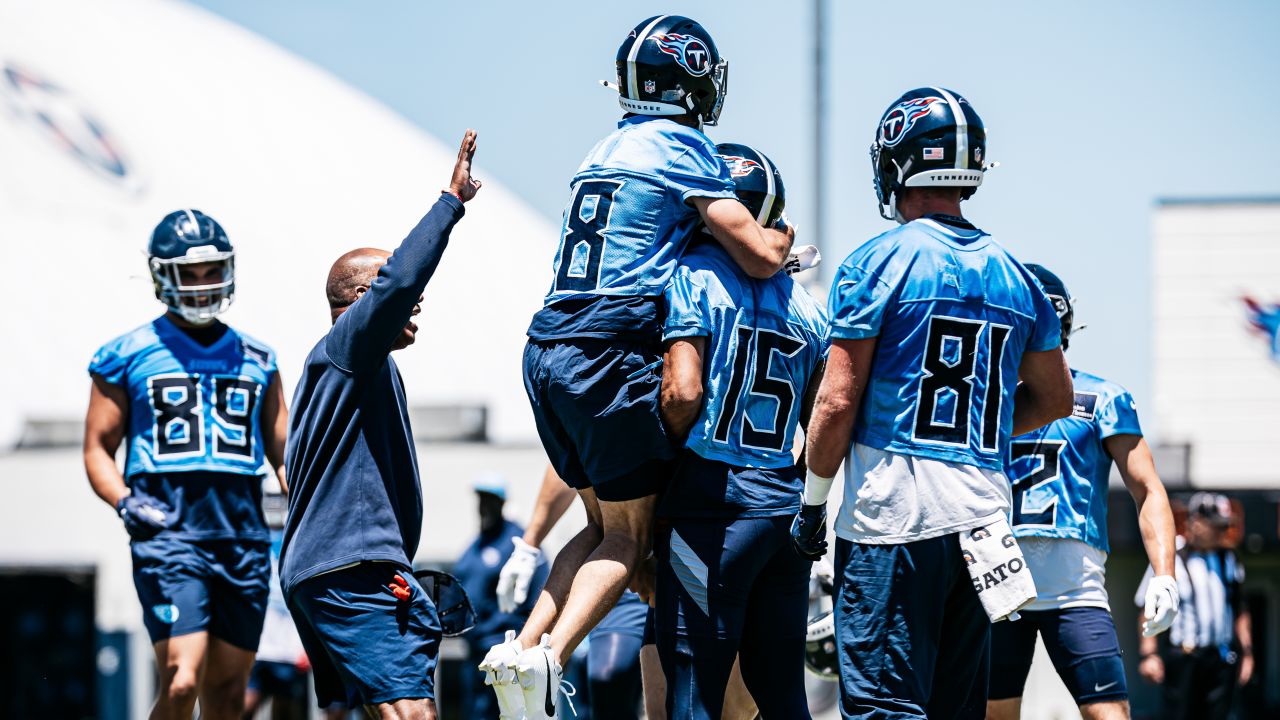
(492, 484)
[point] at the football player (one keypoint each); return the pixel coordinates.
(932, 324)
(741, 356)
(1060, 477)
(355, 516)
(592, 363)
(200, 406)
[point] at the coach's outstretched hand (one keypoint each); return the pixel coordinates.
(809, 531)
(462, 184)
(143, 517)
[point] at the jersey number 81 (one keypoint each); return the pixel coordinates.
(946, 392)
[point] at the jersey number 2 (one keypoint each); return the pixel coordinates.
(1044, 455)
(582, 245)
(757, 347)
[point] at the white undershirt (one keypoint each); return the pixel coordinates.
(1068, 573)
(891, 498)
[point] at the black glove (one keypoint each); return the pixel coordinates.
(143, 517)
(809, 531)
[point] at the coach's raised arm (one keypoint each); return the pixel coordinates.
(363, 333)
(355, 510)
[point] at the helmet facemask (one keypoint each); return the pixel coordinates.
(197, 304)
(720, 79)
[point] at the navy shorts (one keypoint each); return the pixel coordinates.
(731, 588)
(366, 646)
(1081, 642)
(214, 586)
(912, 637)
(277, 679)
(595, 403)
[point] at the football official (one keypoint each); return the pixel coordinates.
(933, 324)
(355, 515)
(201, 406)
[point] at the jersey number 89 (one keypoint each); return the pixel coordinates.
(178, 406)
(946, 393)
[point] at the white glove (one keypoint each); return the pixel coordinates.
(514, 579)
(802, 257)
(1161, 605)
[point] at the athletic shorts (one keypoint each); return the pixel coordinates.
(1082, 645)
(365, 645)
(277, 679)
(595, 403)
(912, 638)
(214, 586)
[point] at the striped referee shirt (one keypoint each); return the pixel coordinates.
(1209, 590)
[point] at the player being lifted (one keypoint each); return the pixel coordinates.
(1060, 475)
(592, 364)
(932, 325)
(199, 405)
(741, 358)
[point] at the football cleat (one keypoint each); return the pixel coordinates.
(929, 137)
(542, 680)
(499, 668)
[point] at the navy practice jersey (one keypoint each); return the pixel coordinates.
(953, 313)
(354, 493)
(764, 340)
(626, 225)
(191, 407)
(1060, 472)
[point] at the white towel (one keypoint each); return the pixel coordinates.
(998, 570)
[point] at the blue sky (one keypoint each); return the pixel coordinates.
(1094, 110)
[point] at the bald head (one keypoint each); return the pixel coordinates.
(349, 273)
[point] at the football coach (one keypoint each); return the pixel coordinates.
(355, 510)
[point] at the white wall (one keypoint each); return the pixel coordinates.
(1216, 385)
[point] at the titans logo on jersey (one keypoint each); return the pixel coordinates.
(764, 340)
(190, 407)
(1061, 471)
(628, 217)
(953, 313)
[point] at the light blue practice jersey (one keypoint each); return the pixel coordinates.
(953, 313)
(765, 337)
(629, 216)
(191, 408)
(1060, 472)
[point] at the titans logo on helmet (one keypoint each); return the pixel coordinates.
(898, 121)
(690, 52)
(740, 166)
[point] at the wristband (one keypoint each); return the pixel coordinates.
(816, 488)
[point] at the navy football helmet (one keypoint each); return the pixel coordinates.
(669, 65)
(1063, 303)
(929, 137)
(189, 237)
(820, 656)
(756, 181)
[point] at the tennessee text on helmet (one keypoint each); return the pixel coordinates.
(756, 181)
(929, 137)
(184, 238)
(669, 65)
(1063, 302)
